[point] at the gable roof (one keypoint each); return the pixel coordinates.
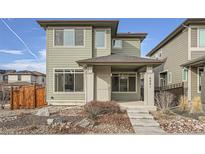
(174, 33)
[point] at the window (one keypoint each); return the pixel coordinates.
(170, 77)
(68, 80)
(69, 37)
(124, 82)
(117, 44)
(201, 37)
(184, 74)
(19, 77)
(100, 39)
(199, 73)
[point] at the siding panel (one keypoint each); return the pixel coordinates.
(176, 52)
(130, 47)
(193, 37)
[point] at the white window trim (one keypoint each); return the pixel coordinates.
(105, 45)
(117, 47)
(160, 78)
(63, 46)
(68, 92)
(183, 74)
(118, 74)
(198, 91)
(169, 77)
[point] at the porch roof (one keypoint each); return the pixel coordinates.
(116, 59)
(195, 62)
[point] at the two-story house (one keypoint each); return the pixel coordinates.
(26, 77)
(184, 52)
(88, 60)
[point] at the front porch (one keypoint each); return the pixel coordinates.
(126, 79)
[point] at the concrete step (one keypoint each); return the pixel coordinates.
(144, 122)
(148, 130)
(140, 116)
(137, 111)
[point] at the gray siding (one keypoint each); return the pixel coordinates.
(197, 54)
(176, 52)
(63, 57)
(193, 37)
(130, 47)
(194, 83)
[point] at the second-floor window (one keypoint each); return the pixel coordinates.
(201, 37)
(69, 37)
(117, 44)
(100, 39)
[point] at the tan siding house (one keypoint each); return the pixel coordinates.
(88, 60)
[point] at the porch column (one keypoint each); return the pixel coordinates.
(203, 88)
(149, 86)
(89, 84)
(189, 83)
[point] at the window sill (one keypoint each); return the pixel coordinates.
(70, 47)
(69, 93)
(124, 92)
(100, 48)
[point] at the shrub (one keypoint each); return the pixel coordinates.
(164, 100)
(95, 108)
(183, 104)
(196, 106)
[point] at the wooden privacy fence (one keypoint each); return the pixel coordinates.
(177, 90)
(27, 97)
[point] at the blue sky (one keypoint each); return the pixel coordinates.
(17, 48)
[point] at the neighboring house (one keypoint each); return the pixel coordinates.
(184, 52)
(4, 76)
(25, 77)
(89, 60)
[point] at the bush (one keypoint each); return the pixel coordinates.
(183, 104)
(164, 100)
(196, 106)
(95, 108)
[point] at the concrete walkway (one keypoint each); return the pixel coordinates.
(143, 122)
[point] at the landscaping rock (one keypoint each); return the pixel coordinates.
(43, 112)
(85, 123)
(50, 121)
(202, 118)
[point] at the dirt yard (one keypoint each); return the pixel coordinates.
(62, 120)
